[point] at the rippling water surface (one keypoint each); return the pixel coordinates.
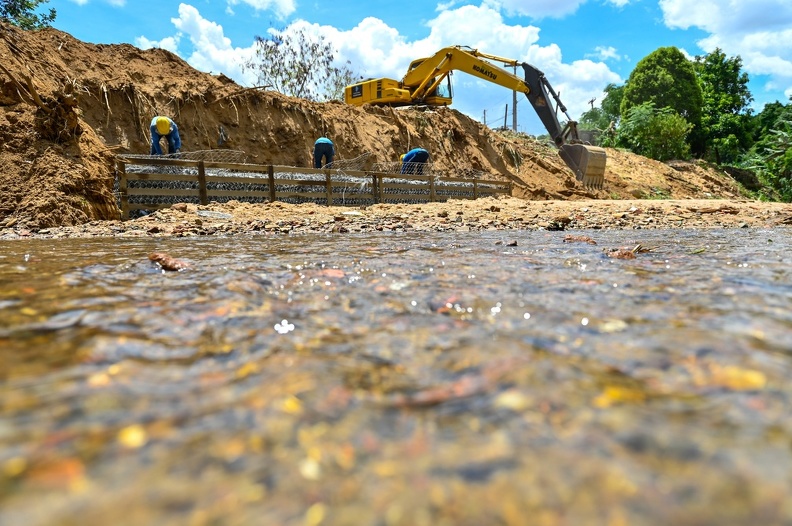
(496, 378)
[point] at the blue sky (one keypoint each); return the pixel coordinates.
(581, 45)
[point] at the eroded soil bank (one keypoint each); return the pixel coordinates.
(57, 158)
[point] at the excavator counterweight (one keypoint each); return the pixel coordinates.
(427, 83)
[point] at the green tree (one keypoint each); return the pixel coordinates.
(668, 80)
(726, 118)
(611, 104)
(767, 119)
(594, 119)
(607, 114)
(605, 118)
(22, 13)
(771, 156)
(299, 64)
(655, 133)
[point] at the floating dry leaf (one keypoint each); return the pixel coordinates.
(569, 238)
(621, 253)
(167, 262)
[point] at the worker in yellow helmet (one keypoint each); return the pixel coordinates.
(164, 127)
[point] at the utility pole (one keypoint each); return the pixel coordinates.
(485, 117)
(505, 114)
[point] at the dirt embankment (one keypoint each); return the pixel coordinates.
(96, 101)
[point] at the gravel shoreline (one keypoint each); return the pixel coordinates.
(491, 213)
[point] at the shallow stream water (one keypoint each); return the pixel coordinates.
(469, 378)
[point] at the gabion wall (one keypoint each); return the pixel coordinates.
(346, 190)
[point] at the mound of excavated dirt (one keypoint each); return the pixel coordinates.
(57, 153)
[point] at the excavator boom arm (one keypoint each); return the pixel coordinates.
(467, 60)
(587, 162)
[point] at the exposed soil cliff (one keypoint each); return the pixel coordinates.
(94, 101)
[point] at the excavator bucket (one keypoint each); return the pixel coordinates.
(588, 163)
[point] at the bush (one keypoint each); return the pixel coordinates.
(657, 134)
(772, 160)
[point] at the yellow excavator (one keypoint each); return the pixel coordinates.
(428, 83)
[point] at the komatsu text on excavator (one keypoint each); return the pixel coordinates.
(428, 83)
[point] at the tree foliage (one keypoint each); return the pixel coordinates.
(605, 118)
(725, 120)
(607, 114)
(671, 106)
(771, 156)
(655, 133)
(594, 119)
(767, 119)
(22, 13)
(667, 79)
(611, 104)
(297, 63)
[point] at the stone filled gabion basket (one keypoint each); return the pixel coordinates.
(346, 190)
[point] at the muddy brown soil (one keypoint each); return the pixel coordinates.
(68, 108)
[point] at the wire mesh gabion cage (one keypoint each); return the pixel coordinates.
(158, 183)
(214, 156)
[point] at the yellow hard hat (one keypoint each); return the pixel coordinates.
(163, 125)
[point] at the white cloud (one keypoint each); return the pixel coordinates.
(481, 28)
(282, 8)
(605, 53)
(719, 16)
(536, 9)
(444, 6)
(758, 31)
(211, 49)
(374, 48)
(378, 50)
(169, 43)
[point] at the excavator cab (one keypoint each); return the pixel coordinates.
(440, 95)
(436, 90)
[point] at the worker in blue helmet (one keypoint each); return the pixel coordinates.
(413, 161)
(324, 151)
